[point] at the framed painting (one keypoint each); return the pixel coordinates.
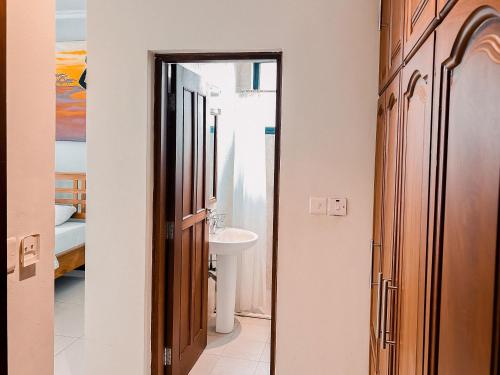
(71, 95)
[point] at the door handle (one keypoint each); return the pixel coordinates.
(372, 249)
(384, 331)
(379, 298)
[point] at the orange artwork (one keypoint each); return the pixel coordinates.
(71, 94)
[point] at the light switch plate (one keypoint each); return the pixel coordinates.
(30, 250)
(11, 254)
(317, 206)
(337, 206)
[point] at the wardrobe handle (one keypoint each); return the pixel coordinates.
(379, 298)
(385, 291)
(372, 249)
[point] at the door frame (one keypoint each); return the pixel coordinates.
(3, 188)
(159, 265)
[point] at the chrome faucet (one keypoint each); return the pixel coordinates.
(214, 220)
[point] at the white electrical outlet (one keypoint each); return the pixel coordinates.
(337, 206)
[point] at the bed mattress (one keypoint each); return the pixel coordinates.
(69, 235)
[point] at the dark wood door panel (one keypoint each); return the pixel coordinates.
(390, 196)
(385, 20)
(467, 64)
(391, 40)
(417, 83)
(396, 36)
(376, 244)
(188, 250)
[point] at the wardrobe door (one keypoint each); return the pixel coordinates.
(396, 36)
(417, 79)
(376, 243)
(384, 23)
(418, 17)
(389, 225)
(391, 39)
(467, 238)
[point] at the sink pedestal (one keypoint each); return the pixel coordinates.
(226, 292)
(227, 244)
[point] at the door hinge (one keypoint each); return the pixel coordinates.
(167, 357)
(170, 230)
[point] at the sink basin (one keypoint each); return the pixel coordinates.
(231, 241)
(227, 243)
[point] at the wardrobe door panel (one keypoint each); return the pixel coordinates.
(467, 240)
(396, 36)
(391, 39)
(419, 14)
(385, 16)
(412, 265)
(376, 243)
(392, 106)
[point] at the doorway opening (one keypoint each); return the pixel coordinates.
(70, 187)
(216, 200)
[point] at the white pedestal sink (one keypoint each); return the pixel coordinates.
(227, 244)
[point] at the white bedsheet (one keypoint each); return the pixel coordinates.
(68, 235)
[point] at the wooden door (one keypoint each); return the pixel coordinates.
(396, 36)
(187, 230)
(417, 79)
(376, 243)
(419, 14)
(391, 39)
(388, 250)
(467, 319)
(384, 23)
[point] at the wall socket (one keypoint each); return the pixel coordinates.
(337, 206)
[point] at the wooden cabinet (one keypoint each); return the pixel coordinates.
(467, 115)
(417, 80)
(383, 244)
(435, 252)
(376, 243)
(419, 15)
(391, 39)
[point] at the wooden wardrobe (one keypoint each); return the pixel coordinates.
(435, 280)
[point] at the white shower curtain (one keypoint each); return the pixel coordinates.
(250, 204)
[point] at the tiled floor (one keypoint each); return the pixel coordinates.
(246, 351)
(69, 318)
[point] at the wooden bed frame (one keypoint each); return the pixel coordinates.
(75, 195)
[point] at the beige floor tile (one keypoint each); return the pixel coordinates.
(62, 342)
(263, 369)
(70, 361)
(69, 319)
(205, 364)
(266, 354)
(232, 366)
(243, 348)
(70, 290)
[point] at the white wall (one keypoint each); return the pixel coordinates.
(329, 107)
(71, 20)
